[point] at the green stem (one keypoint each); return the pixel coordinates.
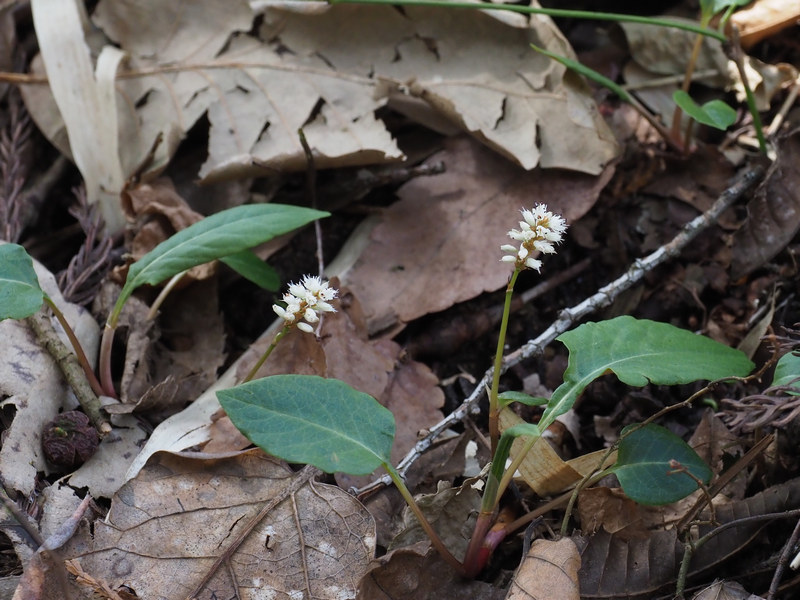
(266, 354)
(76, 346)
(553, 12)
(494, 404)
(426, 526)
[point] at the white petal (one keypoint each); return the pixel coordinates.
(509, 258)
(310, 315)
(305, 327)
(534, 264)
(508, 248)
(324, 306)
(279, 311)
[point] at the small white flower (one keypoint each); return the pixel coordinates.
(539, 231)
(305, 301)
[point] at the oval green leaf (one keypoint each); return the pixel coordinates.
(651, 465)
(219, 235)
(787, 372)
(715, 114)
(639, 352)
(252, 268)
(312, 420)
(20, 294)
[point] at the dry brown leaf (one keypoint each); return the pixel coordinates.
(418, 573)
(166, 527)
(637, 568)
(440, 243)
(156, 212)
(774, 212)
(725, 590)
(550, 570)
(611, 510)
(452, 512)
(328, 73)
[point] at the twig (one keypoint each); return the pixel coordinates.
(691, 547)
(604, 297)
(299, 479)
(71, 368)
(786, 553)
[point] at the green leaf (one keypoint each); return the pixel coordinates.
(787, 371)
(649, 463)
(309, 419)
(20, 294)
(715, 114)
(220, 235)
(249, 266)
(507, 398)
(639, 352)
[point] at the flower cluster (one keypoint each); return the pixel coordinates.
(539, 231)
(306, 300)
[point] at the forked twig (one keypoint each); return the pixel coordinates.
(602, 298)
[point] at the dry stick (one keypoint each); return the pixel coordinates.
(71, 368)
(298, 480)
(604, 297)
(786, 553)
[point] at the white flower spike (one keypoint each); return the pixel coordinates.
(305, 301)
(539, 231)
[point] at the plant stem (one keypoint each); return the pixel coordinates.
(104, 366)
(426, 526)
(494, 404)
(76, 346)
(736, 54)
(687, 81)
(266, 354)
(553, 12)
(151, 314)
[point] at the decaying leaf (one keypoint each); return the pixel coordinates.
(417, 573)
(413, 266)
(774, 212)
(328, 73)
(166, 527)
(613, 566)
(550, 570)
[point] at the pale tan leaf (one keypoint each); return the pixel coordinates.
(328, 73)
(550, 570)
(166, 527)
(85, 99)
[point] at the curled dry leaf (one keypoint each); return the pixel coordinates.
(182, 511)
